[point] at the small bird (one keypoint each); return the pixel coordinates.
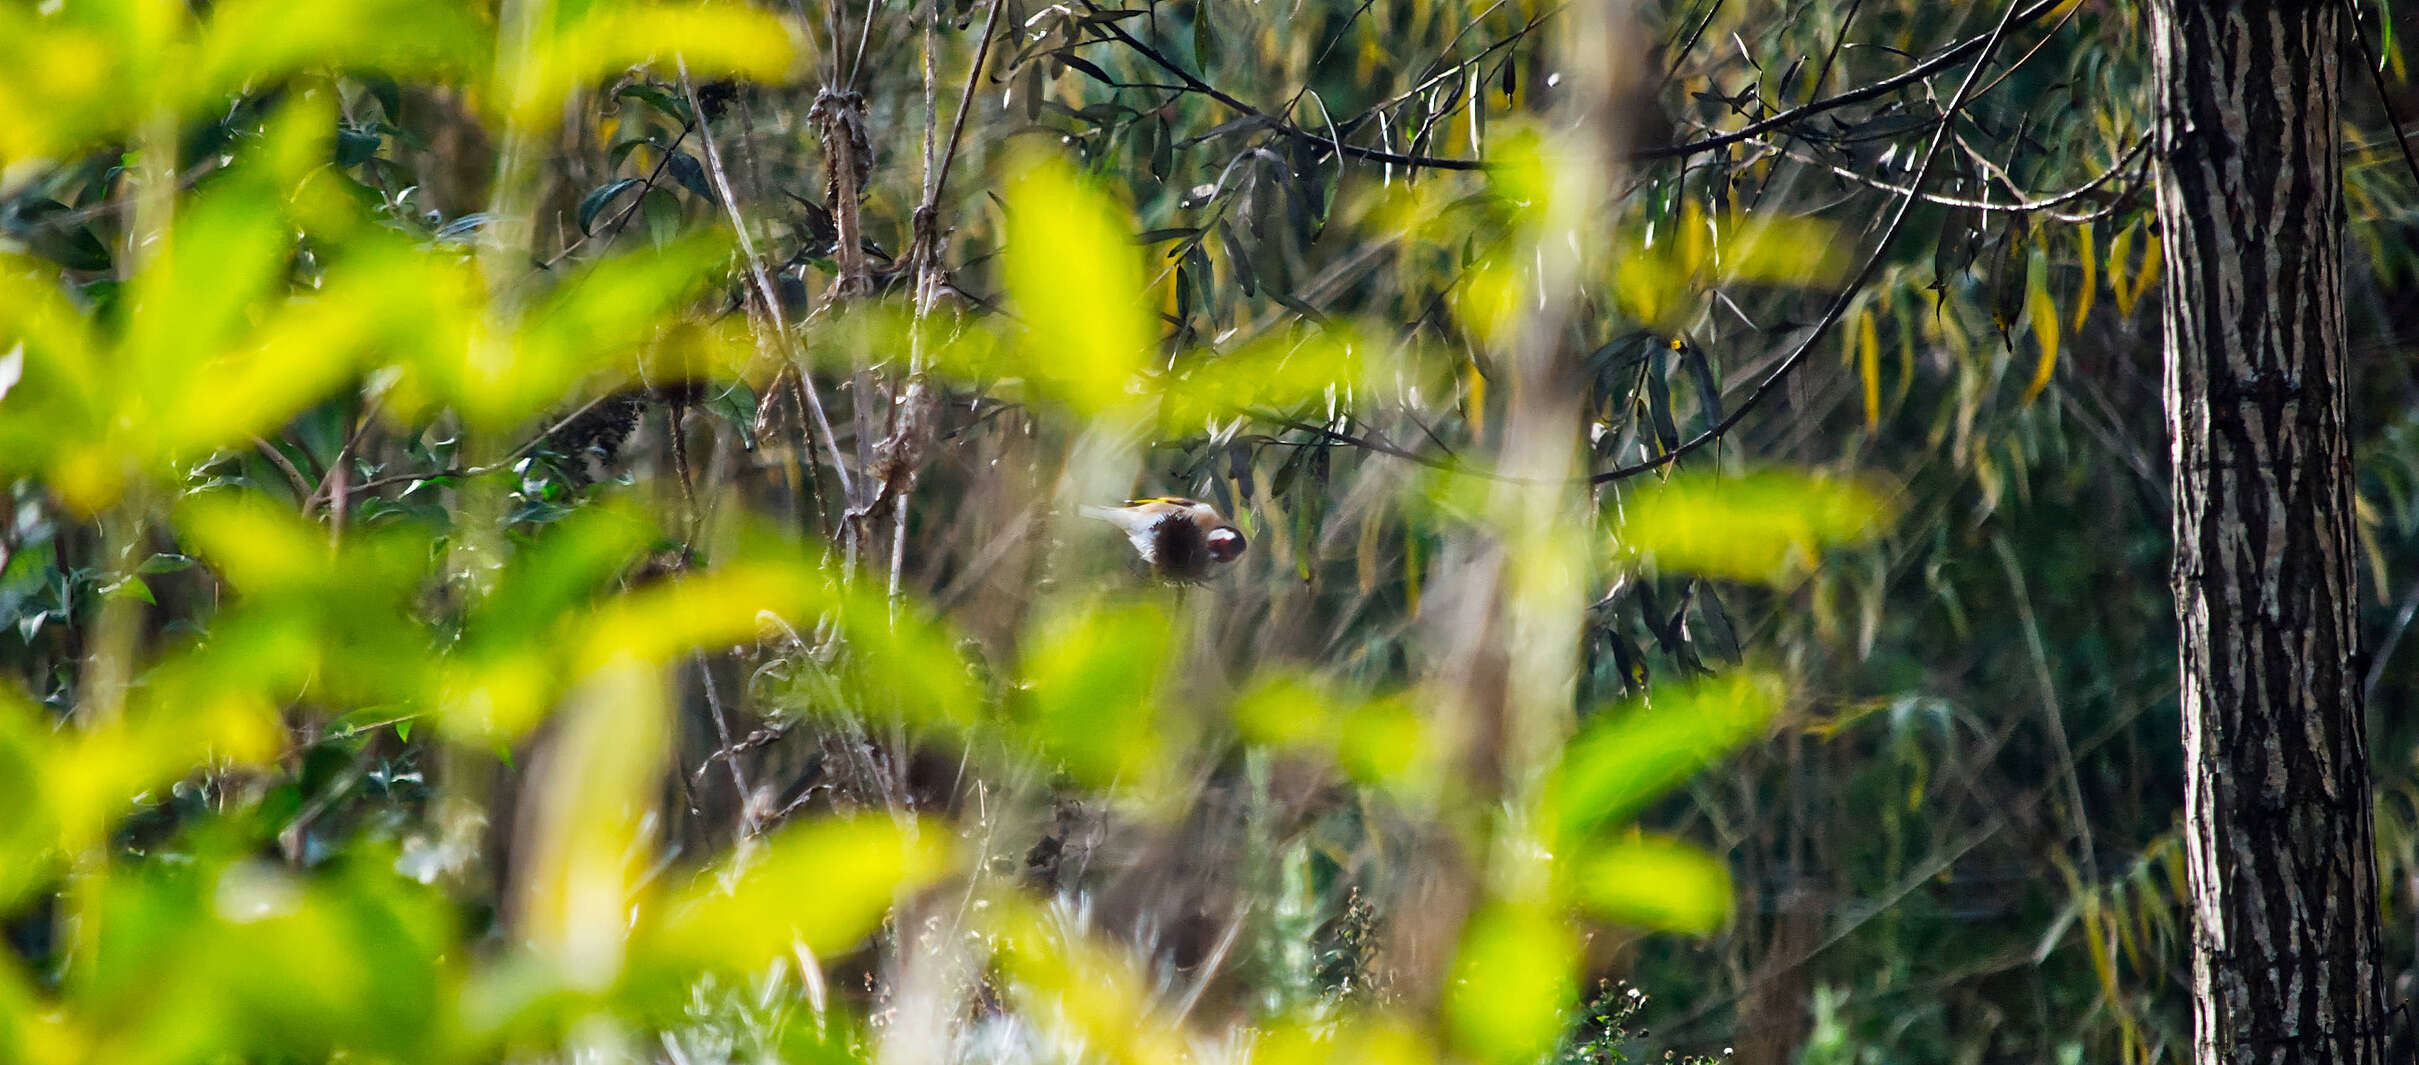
(1180, 538)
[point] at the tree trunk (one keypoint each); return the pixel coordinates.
(2280, 845)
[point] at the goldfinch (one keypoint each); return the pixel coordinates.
(1180, 538)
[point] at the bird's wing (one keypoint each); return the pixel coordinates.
(1135, 521)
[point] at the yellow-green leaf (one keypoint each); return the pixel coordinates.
(1758, 527)
(2044, 315)
(1092, 684)
(1515, 975)
(823, 884)
(1639, 751)
(2087, 257)
(1076, 278)
(1654, 883)
(1868, 365)
(713, 39)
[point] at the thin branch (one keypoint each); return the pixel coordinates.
(1204, 88)
(1884, 87)
(767, 297)
(722, 734)
(621, 219)
(302, 484)
(2385, 646)
(957, 125)
(1864, 274)
(369, 414)
(2043, 204)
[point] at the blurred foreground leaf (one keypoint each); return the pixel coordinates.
(1630, 756)
(1076, 279)
(824, 885)
(1517, 971)
(1759, 527)
(1653, 883)
(1092, 682)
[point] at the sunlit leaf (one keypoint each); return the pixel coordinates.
(714, 39)
(598, 320)
(1358, 1041)
(2088, 258)
(31, 1031)
(1515, 977)
(1653, 883)
(1758, 527)
(1779, 250)
(76, 71)
(184, 719)
(1092, 684)
(825, 884)
(28, 828)
(1275, 374)
(246, 41)
(1657, 275)
(718, 607)
(1383, 742)
(2044, 316)
(1076, 279)
(243, 960)
(1634, 754)
(903, 660)
(1868, 365)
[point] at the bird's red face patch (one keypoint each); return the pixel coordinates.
(1225, 544)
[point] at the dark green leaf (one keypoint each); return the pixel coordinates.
(594, 203)
(354, 147)
(659, 98)
(1709, 387)
(692, 176)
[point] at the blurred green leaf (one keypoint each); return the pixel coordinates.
(1515, 976)
(1276, 373)
(719, 607)
(1383, 742)
(1075, 277)
(598, 320)
(1635, 754)
(591, 803)
(1759, 527)
(28, 824)
(1092, 679)
(246, 960)
(82, 72)
(1653, 883)
(589, 41)
(825, 885)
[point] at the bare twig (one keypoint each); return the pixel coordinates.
(369, 414)
(722, 735)
(302, 484)
(1864, 274)
(2045, 204)
(1206, 89)
(768, 298)
(1942, 61)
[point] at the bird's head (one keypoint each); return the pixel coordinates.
(1226, 543)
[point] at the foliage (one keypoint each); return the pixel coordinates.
(548, 530)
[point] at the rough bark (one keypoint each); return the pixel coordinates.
(2280, 845)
